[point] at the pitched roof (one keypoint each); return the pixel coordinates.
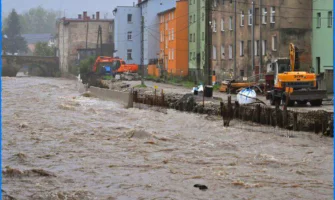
(34, 38)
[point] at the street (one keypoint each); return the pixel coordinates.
(58, 144)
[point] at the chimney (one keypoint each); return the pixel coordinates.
(79, 16)
(98, 15)
(85, 15)
(93, 16)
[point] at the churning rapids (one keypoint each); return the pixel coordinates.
(58, 144)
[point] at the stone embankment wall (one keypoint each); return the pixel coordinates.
(312, 121)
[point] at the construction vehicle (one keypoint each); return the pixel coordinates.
(109, 66)
(291, 85)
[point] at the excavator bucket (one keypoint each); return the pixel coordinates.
(308, 95)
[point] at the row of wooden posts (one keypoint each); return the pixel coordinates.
(258, 114)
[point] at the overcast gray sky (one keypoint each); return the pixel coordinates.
(72, 7)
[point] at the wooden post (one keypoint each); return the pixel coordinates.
(285, 114)
(295, 121)
(237, 109)
(258, 113)
(222, 111)
(229, 107)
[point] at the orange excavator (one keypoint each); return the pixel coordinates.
(293, 85)
(108, 65)
(105, 65)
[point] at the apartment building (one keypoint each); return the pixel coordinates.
(276, 25)
(127, 33)
(174, 39)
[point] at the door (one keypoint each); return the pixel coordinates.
(318, 63)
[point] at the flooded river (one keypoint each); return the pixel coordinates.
(60, 145)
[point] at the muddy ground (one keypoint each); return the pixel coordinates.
(58, 144)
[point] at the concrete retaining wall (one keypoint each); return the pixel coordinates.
(124, 98)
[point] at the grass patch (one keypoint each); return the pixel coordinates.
(140, 86)
(216, 87)
(188, 84)
(107, 77)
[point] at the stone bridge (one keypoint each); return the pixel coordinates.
(48, 66)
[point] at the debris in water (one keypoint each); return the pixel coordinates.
(87, 94)
(66, 107)
(140, 134)
(12, 172)
(23, 125)
(201, 187)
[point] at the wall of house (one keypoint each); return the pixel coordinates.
(149, 10)
(322, 44)
(181, 37)
(197, 46)
(121, 29)
(72, 36)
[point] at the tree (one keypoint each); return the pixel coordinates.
(13, 41)
(42, 49)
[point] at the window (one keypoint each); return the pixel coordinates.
(169, 54)
(249, 48)
(169, 17)
(130, 18)
(222, 52)
(169, 35)
(166, 26)
(214, 26)
(318, 18)
(166, 44)
(230, 51)
(214, 53)
(241, 48)
(330, 19)
(230, 23)
(191, 19)
(203, 16)
(263, 47)
(191, 37)
(222, 25)
(203, 36)
(194, 18)
(250, 17)
(274, 43)
(172, 54)
(257, 48)
(129, 35)
(190, 58)
(272, 16)
(172, 16)
(215, 3)
(129, 57)
(264, 17)
(241, 73)
(172, 34)
(242, 18)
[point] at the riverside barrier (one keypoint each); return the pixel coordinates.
(124, 98)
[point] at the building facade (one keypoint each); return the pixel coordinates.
(174, 39)
(149, 12)
(127, 33)
(322, 44)
(197, 39)
(276, 25)
(73, 34)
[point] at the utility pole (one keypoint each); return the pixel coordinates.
(235, 47)
(260, 40)
(208, 44)
(253, 37)
(142, 49)
(99, 37)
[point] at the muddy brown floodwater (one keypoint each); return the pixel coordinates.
(60, 145)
